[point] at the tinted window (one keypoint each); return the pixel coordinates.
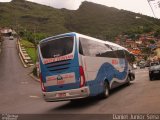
(92, 48)
(154, 63)
(57, 47)
(130, 57)
(115, 53)
(120, 54)
(80, 48)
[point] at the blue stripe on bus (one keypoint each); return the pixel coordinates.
(106, 72)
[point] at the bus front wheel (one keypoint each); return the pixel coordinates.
(128, 80)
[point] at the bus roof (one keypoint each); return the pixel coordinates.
(99, 40)
(85, 36)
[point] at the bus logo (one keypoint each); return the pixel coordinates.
(114, 62)
(59, 77)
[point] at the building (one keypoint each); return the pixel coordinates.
(6, 32)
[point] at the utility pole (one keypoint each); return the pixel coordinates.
(151, 7)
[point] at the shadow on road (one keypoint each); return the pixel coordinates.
(87, 102)
(78, 104)
(118, 89)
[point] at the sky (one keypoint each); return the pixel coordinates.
(138, 6)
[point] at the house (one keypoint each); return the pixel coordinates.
(6, 32)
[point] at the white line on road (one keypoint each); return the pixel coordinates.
(24, 83)
(33, 96)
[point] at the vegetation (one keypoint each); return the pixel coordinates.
(32, 52)
(30, 19)
(157, 33)
(32, 37)
(152, 41)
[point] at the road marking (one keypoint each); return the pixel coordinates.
(24, 83)
(33, 96)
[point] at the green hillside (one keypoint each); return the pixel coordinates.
(26, 15)
(97, 20)
(91, 19)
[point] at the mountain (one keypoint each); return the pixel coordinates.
(91, 19)
(31, 16)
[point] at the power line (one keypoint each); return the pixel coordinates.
(151, 7)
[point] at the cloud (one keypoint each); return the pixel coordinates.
(68, 4)
(5, 0)
(138, 6)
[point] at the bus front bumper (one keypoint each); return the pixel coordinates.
(66, 94)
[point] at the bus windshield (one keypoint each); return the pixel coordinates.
(57, 47)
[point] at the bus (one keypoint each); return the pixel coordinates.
(74, 66)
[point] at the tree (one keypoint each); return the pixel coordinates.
(146, 50)
(157, 33)
(152, 41)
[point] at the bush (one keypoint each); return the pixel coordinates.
(32, 37)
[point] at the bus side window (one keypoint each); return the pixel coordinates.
(80, 48)
(130, 57)
(114, 52)
(120, 54)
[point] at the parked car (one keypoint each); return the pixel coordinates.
(147, 64)
(11, 38)
(154, 71)
(142, 66)
(154, 63)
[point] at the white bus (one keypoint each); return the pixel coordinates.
(74, 66)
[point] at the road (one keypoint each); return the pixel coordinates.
(19, 93)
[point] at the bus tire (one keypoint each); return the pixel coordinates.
(128, 80)
(105, 93)
(150, 78)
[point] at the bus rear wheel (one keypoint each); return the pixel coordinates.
(128, 80)
(105, 93)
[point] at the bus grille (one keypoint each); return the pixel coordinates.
(58, 66)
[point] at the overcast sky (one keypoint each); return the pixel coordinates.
(138, 6)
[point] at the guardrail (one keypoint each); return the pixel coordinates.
(26, 60)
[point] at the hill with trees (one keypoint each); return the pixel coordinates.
(91, 19)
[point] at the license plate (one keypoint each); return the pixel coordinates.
(60, 82)
(156, 71)
(61, 95)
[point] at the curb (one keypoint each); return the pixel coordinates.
(24, 59)
(35, 78)
(19, 53)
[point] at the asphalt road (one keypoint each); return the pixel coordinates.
(19, 93)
